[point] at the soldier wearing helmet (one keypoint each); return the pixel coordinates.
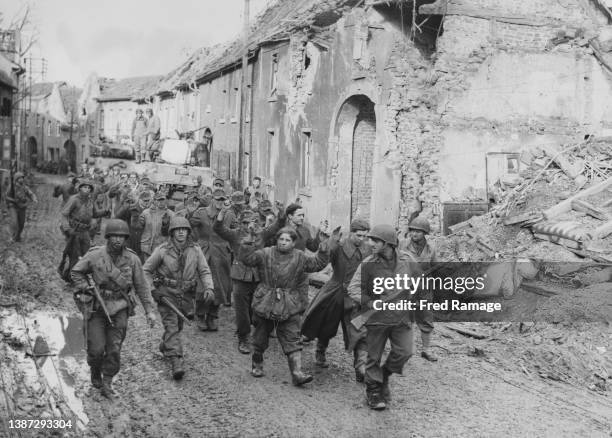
(116, 271)
(153, 223)
(18, 195)
(78, 217)
(386, 262)
(177, 270)
(416, 245)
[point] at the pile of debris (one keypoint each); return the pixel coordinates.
(558, 208)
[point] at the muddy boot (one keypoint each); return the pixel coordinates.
(385, 391)
(257, 365)
(298, 377)
(96, 377)
(212, 323)
(243, 346)
(374, 396)
(107, 389)
(178, 370)
(426, 354)
(202, 324)
(320, 359)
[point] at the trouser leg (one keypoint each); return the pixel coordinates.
(288, 333)
(376, 339)
(171, 339)
(261, 334)
(243, 296)
(115, 336)
(96, 339)
(360, 356)
(401, 340)
(21, 219)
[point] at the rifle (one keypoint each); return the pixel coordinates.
(94, 288)
(360, 320)
(166, 302)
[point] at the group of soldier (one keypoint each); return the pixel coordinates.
(213, 249)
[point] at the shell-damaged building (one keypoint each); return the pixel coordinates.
(382, 109)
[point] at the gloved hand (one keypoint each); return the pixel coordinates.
(206, 296)
(151, 319)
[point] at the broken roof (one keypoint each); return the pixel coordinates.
(276, 23)
(129, 88)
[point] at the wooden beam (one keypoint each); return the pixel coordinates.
(603, 230)
(585, 207)
(565, 206)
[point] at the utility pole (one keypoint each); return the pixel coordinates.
(243, 94)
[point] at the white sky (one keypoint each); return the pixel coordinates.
(121, 38)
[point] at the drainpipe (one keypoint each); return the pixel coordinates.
(243, 93)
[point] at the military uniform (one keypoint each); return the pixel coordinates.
(115, 277)
(17, 205)
(78, 214)
(218, 255)
(176, 275)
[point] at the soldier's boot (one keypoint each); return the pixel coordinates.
(96, 377)
(374, 396)
(212, 323)
(107, 389)
(202, 323)
(243, 346)
(385, 391)
(320, 359)
(298, 377)
(257, 365)
(426, 354)
(178, 370)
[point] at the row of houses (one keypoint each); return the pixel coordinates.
(380, 109)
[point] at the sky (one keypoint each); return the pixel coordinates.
(123, 38)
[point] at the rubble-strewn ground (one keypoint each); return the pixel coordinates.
(543, 379)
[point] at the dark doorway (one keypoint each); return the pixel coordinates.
(32, 149)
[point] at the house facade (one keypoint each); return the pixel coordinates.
(386, 109)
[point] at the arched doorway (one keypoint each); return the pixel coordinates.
(33, 151)
(71, 154)
(355, 130)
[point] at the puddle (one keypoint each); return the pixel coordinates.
(64, 337)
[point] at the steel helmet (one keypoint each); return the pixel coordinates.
(86, 182)
(18, 175)
(116, 227)
(178, 222)
(419, 223)
(384, 232)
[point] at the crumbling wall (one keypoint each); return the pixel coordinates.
(507, 76)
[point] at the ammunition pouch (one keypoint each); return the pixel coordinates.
(181, 285)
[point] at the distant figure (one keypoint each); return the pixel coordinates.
(153, 131)
(139, 133)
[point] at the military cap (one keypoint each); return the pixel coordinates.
(159, 196)
(219, 195)
(71, 174)
(218, 180)
(145, 195)
(360, 225)
(246, 215)
(237, 197)
(122, 165)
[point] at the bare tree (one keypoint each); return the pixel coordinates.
(22, 23)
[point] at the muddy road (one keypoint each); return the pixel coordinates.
(463, 394)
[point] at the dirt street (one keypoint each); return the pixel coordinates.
(460, 395)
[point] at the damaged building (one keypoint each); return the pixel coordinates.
(388, 109)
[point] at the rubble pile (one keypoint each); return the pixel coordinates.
(558, 207)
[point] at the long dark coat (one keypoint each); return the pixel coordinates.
(327, 309)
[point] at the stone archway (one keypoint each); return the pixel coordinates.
(32, 148)
(71, 154)
(355, 133)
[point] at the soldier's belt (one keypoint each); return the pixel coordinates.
(109, 294)
(78, 225)
(177, 284)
